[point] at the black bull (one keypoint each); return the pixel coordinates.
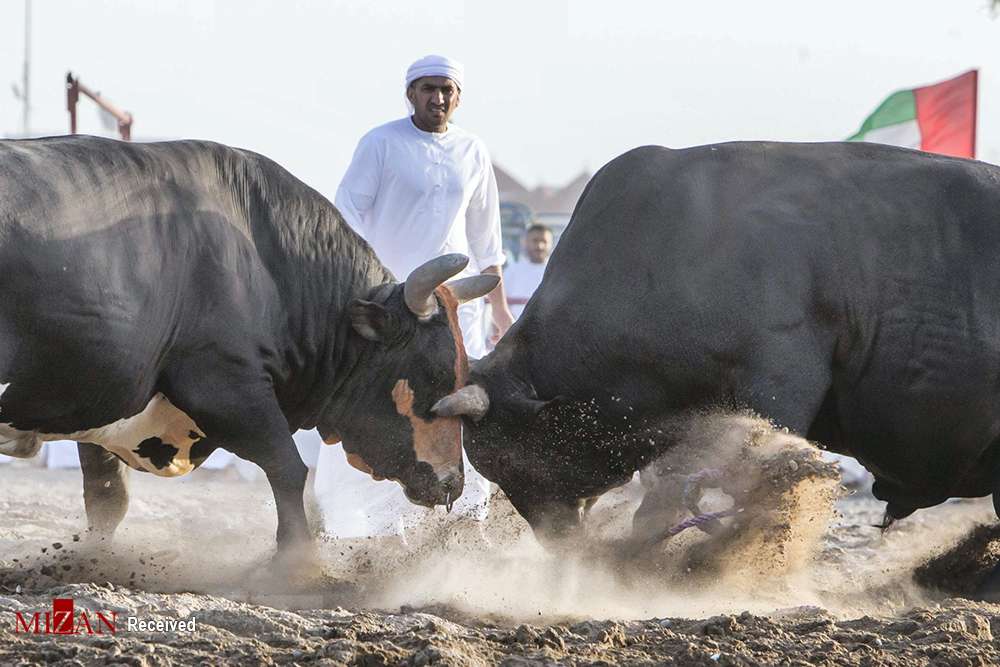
(162, 300)
(849, 292)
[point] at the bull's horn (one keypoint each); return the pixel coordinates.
(470, 400)
(418, 291)
(473, 287)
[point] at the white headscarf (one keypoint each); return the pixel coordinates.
(436, 66)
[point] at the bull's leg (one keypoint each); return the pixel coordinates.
(239, 411)
(286, 473)
(786, 384)
(789, 377)
(277, 455)
(555, 523)
(296, 556)
(105, 489)
(996, 480)
(989, 588)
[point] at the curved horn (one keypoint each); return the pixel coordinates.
(418, 291)
(473, 287)
(470, 400)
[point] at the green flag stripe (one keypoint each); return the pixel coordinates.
(897, 108)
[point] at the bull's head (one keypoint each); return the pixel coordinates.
(548, 456)
(510, 442)
(413, 359)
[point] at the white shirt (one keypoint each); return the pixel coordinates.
(520, 280)
(415, 195)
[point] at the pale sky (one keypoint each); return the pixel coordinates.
(552, 86)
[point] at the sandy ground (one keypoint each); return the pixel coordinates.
(831, 591)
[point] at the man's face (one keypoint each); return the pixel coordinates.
(434, 100)
(538, 246)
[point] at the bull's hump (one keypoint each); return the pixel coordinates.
(72, 187)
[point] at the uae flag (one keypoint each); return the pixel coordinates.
(940, 118)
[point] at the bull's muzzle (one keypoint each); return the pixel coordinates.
(429, 490)
(452, 485)
(445, 490)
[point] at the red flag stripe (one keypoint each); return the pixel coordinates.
(946, 113)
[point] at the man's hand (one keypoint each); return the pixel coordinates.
(500, 313)
(502, 320)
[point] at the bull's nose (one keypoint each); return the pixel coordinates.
(452, 482)
(451, 485)
(445, 491)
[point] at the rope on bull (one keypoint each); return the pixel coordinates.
(699, 520)
(707, 522)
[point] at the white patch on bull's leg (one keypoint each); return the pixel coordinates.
(18, 444)
(144, 441)
(134, 439)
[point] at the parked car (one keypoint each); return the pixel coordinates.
(514, 219)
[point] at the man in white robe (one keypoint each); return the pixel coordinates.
(522, 278)
(417, 188)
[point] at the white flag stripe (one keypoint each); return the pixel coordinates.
(905, 134)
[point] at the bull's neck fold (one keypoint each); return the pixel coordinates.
(319, 265)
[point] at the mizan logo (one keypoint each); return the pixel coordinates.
(65, 620)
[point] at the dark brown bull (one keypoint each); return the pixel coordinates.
(162, 300)
(848, 292)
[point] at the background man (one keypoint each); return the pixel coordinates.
(417, 188)
(522, 277)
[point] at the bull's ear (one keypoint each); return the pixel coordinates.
(370, 320)
(532, 408)
(550, 406)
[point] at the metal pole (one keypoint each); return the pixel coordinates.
(26, 89)
(72, 95)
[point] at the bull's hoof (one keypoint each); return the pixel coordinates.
(557, 525)
(894, 513)
(292, 566)
(296, 556)
(988, 589)
(94, 539)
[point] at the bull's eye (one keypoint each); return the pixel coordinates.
(412, 402)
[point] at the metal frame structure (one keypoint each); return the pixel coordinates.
(73, 91)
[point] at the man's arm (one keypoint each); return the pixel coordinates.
(499, 310)
(482, 228)
(357, 192)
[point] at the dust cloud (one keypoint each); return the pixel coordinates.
(796, 543)
(799, 574)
